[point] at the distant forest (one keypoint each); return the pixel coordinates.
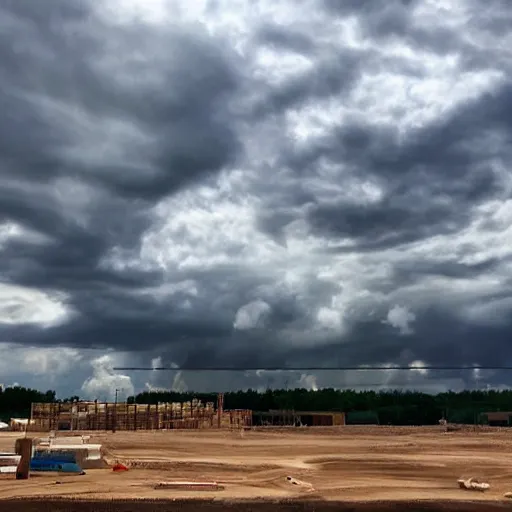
(15, 402)
(385, 408)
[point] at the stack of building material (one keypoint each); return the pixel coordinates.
(236, 419)
(83, 416)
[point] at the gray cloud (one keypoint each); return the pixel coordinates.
(91, 139)
(259, 188)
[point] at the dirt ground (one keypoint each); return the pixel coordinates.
(349, 464)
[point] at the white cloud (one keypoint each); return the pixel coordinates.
(38, 361)
(330, 318)
(178, 383)
(308, 382)
(418, 367)
(51, 361)
(401, 318)
(251, 315)
(19, 305)
(156, 362)
(12, 231)
(104, 381)
(164, 380)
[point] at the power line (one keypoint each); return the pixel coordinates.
(308, 368)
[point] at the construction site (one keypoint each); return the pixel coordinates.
(96, 415)
(112, 416)
(353, 465)
(192, 453)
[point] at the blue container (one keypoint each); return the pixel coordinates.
(58, 464)
(60, 456)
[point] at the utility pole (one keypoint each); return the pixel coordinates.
(114, 418)
(220, 409)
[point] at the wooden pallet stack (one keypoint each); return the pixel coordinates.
(77, 416)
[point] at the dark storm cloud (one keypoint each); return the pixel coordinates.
(448, 148)
(438, 339)
(52, 63)
(100, 121)
(409, 272)
(495, 17)
(334, 73)
(433, 179)
(70, 257)
(381, 225)
(61, 67)
(274, 222)
(251, 350)
(395, 19)
(282, 38)
(378, 19)
(282, 204)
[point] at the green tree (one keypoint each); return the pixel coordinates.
(16, 401)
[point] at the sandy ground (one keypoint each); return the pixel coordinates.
(350, 464)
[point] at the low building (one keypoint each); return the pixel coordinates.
(298, 418)
(498, 418)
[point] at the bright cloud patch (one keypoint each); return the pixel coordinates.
(31, 306)
(401, 318)
(105, 383)
(251, 315)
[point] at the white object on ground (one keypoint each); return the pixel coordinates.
(294, 481)
(93, 450)
(9, 462)
(201, 486)
(8, 469)
(472, 484)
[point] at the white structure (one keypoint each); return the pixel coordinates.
(21, 424)
(88, 454)
(9, 462)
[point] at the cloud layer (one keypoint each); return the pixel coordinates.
(244, 183)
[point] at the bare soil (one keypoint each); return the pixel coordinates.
(193, 505)
(366, 468)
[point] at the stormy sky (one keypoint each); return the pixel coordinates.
(243, 183)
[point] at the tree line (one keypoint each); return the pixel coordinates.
(384, 407)
(15, 401)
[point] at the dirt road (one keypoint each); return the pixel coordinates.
(350, 464)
